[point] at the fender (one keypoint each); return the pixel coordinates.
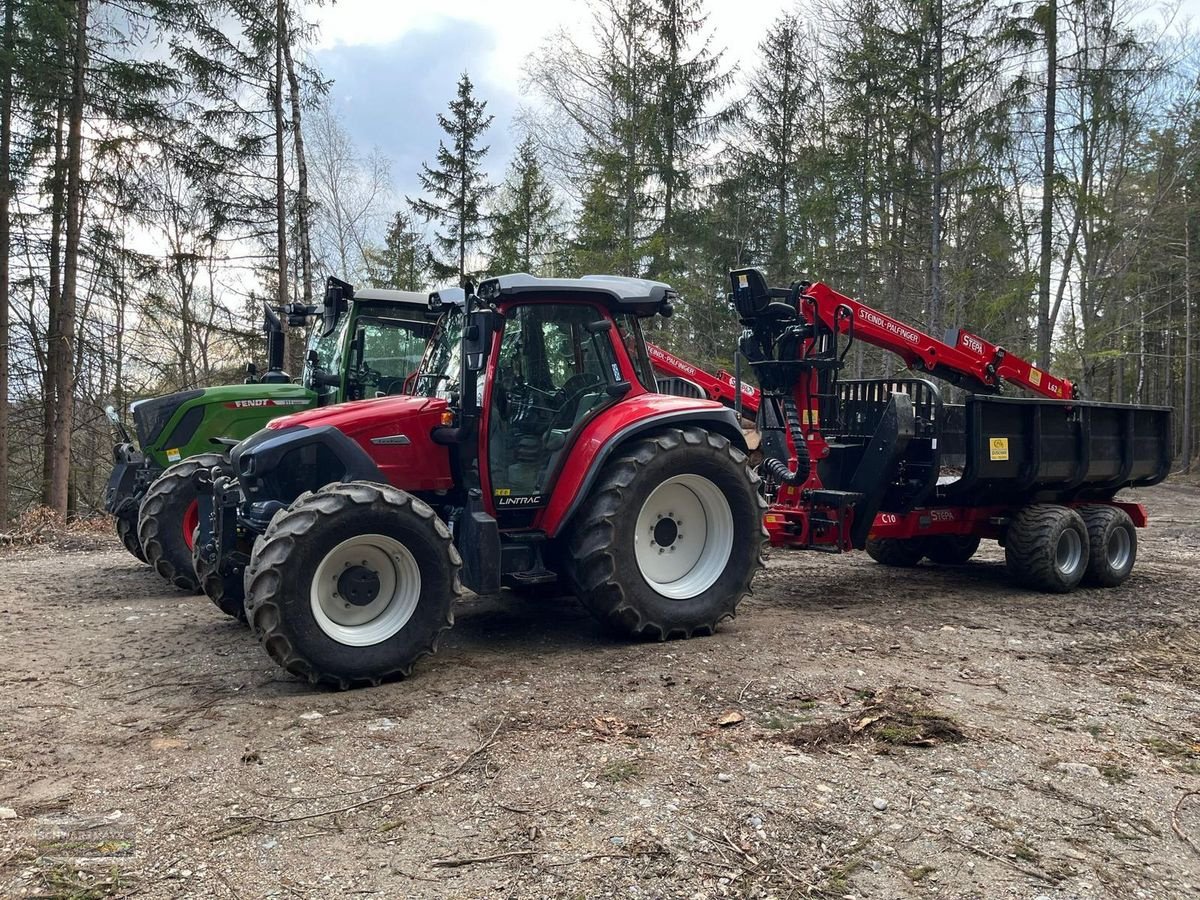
(608, 433)
(282, 463)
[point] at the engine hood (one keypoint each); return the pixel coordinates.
(359, 417)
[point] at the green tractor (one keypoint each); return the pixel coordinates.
(364, 343)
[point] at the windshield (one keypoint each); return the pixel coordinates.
(329, 353)
(439, 375)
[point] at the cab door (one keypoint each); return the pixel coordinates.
(552, 374)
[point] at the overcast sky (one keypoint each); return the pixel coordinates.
(395, 63)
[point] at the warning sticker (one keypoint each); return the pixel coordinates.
(173, 455)
(1035, 377)
(998, 448)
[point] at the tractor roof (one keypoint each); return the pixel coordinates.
(636, 295)
(414, 299)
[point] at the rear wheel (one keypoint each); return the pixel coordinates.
(353, 584)
(671, 536)
(168, 518)
(902, 553)
(950, 549)
(127, 529)
(1112, 542)
(1046, 548)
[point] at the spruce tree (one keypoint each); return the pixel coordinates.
(525, 234)
(687, 80)
(403, 262)
(456, 186)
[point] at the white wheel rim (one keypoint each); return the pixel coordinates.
(1069, 552)
(367, 624)
(1118, 549)
(684, 537)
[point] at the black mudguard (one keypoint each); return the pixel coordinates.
(281, 464)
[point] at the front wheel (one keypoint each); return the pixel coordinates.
(168, 519)
(353, 584)
(670, 537)
(225, 589)
(126, 522)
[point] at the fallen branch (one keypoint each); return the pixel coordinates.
(1025, 870)
(472, 860)
(1175, 823)
(408, 789)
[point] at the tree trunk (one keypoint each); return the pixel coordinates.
(1045, 328)
(281, 252)
(53, 303)
(935, 217)
(5, 244)
(1187, 338)
(303, 231)
(64, 421)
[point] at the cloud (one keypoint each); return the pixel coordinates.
(389, 94)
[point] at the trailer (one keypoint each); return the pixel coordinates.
(887, 465)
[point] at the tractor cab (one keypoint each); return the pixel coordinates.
(368, 343)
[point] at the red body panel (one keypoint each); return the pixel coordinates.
(419, 465)
(593, 438)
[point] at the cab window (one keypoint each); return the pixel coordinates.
(553, 369)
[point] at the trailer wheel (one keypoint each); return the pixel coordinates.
(127, 530)
(227, 592)
(671, 536)
(1112, 540)
(353, 584)
(1046, 548)
(950, 549)
(902, 553)
(168, 517)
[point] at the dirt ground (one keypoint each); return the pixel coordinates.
(856, 732)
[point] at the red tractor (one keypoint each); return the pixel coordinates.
(534, 449)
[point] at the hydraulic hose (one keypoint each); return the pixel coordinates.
(779, 469)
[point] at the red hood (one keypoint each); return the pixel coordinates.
(353, 417)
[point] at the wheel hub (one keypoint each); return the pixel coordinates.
(683, 537)
(365, 590)
(665, 531)
(358, 585)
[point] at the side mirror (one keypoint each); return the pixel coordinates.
(338, 294)
(251, 373)
(477, 338)
(111, 415)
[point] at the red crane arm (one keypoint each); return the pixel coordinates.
(970, 360)
(721, 387)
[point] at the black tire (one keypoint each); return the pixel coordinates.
(1046, 548)
(901, 553)
(227, 591)
(603, 567)
(289, 556)
(950, 549)
(126, 522)
(1112, 544)
(161, 520)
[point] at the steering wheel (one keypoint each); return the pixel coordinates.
(573, 390)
